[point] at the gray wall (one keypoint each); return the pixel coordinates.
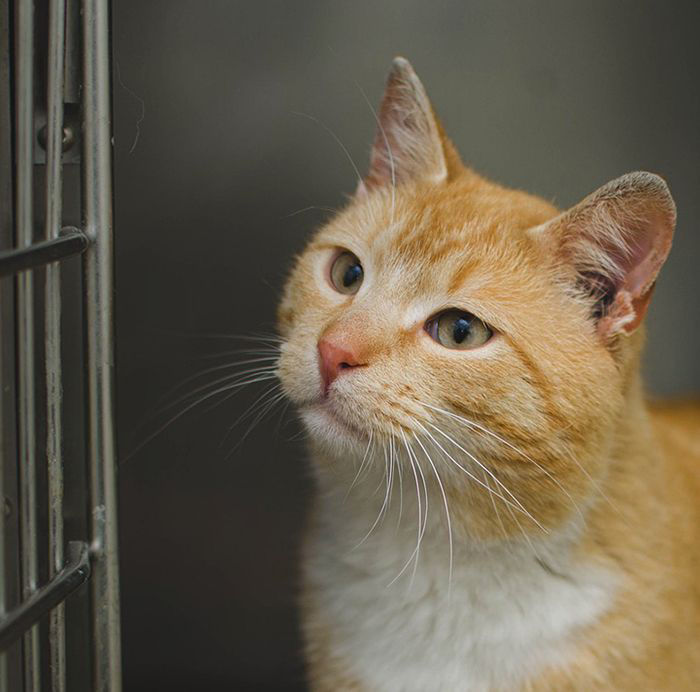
(211, 164)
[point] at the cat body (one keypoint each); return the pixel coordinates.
(496, 507)
(608, 607)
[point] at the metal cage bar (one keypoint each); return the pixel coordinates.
(98, 560)
(10, 672)
(24, 205)
(71, 575)
(52, 332)
(97, 219)
(71, 242)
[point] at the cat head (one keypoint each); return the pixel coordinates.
(485, 334)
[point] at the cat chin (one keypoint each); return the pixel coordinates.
(329, 428)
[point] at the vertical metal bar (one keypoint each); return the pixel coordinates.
(4, 458)
(97, 215)
(24, 100)
(71, 83)
(7, 319)
(54, 386)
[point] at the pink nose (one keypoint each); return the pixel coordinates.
(333, 359)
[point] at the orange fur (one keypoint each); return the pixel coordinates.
(561, 387)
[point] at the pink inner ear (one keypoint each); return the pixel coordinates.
(651, 247)
(616, 241)
(407, 145)
(625, 313)
(648, 251)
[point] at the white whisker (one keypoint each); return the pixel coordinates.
(422, 513)
(233, 378)
(508, 444)
(225, 366)
(206, 397)
(416, 550)
(466, 471)
(425, 514)
(391, 469)
(362, 464)
(490, 473)
(263, 405)
(260, 351)
(447, 511)
(384, 503)
(400, 474)
(318, 121)
(495, 507)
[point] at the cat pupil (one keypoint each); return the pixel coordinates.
(461, 329)
(352, 274)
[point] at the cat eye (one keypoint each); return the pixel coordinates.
(458, 329)
(346, 273)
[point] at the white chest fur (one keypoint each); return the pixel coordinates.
(507, 615)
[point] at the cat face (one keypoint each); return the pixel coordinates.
(472, 327)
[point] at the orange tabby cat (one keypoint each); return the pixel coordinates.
(497, 507)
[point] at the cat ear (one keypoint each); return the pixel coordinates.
(409, 143)
(616, 241)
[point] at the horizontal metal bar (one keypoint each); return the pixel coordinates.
(75, 573)
(72, 241)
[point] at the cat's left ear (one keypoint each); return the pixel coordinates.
(614, 243)
(409, 144)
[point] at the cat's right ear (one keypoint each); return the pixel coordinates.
(409, 144)
(614, 244)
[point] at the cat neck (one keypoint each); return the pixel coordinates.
(359, 498)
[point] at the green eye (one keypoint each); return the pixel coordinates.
(346, 273)
(458, 329)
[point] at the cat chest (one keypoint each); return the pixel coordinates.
(494, 629)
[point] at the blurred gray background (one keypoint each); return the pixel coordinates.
(212, 167)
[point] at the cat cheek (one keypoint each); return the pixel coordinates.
(291, 371)
(285, 320)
